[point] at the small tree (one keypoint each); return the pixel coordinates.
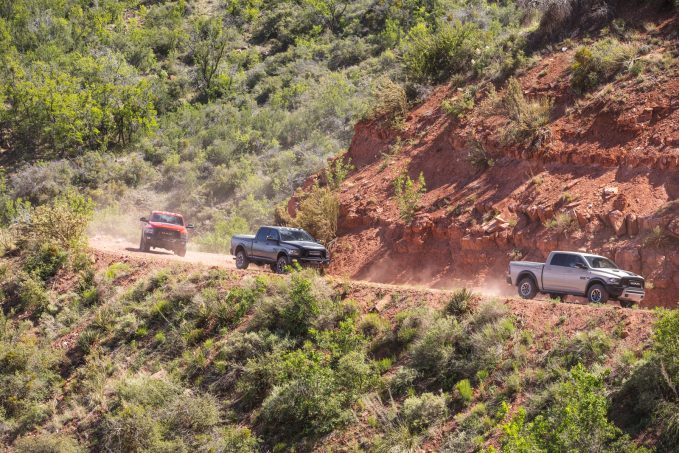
(408, 195)
(338, 171)
(209, 42)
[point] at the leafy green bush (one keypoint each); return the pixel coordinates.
(424, 411)
(459, 303)
(231, 439)
(562, 223)
(64, 221)
(45, 260)
(390, 100)
(599, 63)
(576, 421)
(408, 194)
(47, 443)
(437, 54)
(465, 390)
(318, 212)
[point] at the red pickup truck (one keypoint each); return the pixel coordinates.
(165, 230)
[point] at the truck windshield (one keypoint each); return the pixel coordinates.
(166, 218)
(598, 262)
(295, 235)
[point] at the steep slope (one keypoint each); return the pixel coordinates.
(603, 179)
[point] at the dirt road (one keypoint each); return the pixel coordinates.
(127, 249)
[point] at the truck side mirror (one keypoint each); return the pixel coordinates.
(580, 266)
(144, 219)
(271, 238)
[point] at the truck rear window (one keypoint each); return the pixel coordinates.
(166, 218)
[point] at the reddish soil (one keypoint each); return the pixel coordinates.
(610, 163)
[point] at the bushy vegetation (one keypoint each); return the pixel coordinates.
(205, 362)
(408, 194)
(600, 62)
(219, 111)
(527, 118)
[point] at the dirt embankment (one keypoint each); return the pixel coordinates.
(609, 169)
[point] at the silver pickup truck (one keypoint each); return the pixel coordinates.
(578, 274)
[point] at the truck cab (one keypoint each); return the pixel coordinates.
(579, 274)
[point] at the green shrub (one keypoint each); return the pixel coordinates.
(479, 157)
(408, 194)
(527, 118)
(666, 345)
(219, 239)
(460, 105)
(587, 348)
(47, 443)
(45, 260)
(307, 406)
(437, 54)
(389, 100)
(231, 439)
(575, 421)
(465, 390)
(599, 63)
(63, 221)
(459, 303)
(318, 212)
(424, 411)
(562, 223)
(33, 295)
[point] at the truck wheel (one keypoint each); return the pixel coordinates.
(242, 261)
(626, 303)
(527, 288)
(281, 264)
(597, 294)
(143, 245)
(181, 252)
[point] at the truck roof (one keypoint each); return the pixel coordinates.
(167, 213)
(281, 227)
(577, 253)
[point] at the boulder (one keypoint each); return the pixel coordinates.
(632, 224)
(629, 259)
(617, 221)
(652, 261)
(581, 217)
(610, 192)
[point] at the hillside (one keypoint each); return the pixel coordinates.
(136, 354)
(602, 175)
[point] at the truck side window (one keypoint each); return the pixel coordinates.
(261, 235)
(560, 259)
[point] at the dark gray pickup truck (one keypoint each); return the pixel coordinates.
(278, 247)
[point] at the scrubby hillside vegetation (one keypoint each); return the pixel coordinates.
(102, 355)
(215, 109)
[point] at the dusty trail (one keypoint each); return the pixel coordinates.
(128, 250)
(124, 250)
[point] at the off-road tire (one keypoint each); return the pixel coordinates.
(242, 261)
(626, 304)
(527, 288)
(597, 294)
(143, 245)
(181, 252)
(282, 264)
